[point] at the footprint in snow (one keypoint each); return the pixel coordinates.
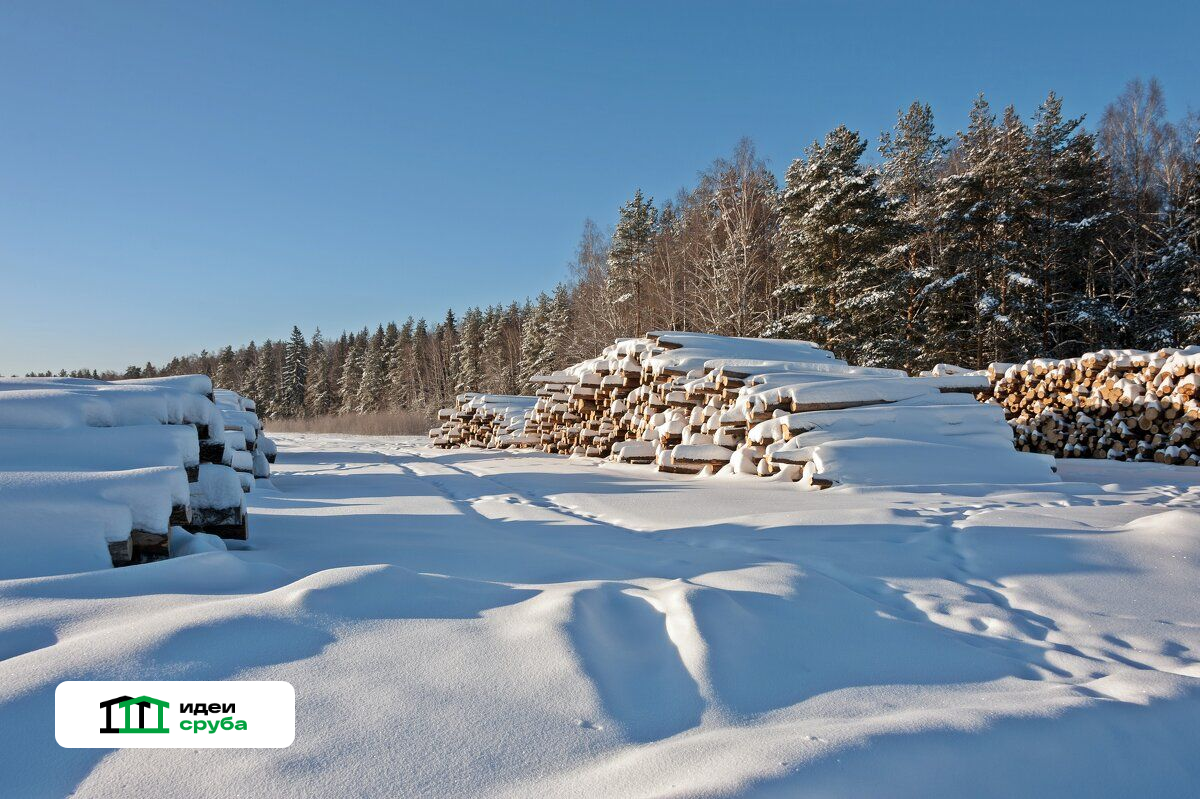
(587, 725)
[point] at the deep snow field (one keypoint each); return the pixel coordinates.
(467, 622)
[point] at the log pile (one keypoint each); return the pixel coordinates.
(1125, 405)
(89, 466)
(692, 403)
(491, 421)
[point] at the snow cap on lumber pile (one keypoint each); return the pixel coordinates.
(684, 352)
(189, 384)
(99, 449)
(891, 462)
(45, 534)
(227, 399)
(99, 404)
(943, 369)
(217, 488)
(149, 494)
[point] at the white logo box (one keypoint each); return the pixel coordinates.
(263, 714)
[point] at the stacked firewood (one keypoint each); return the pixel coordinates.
(1117, 404)
(493, 421)
(121, 466)
(691, 403)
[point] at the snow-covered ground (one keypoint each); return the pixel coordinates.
(469, 623)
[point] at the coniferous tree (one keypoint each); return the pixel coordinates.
(914, 157)
(1181, 253)
(226, 376)
(536, 357)
(401, 389)
(373, 382)
(391, 334)
(264, 382)
(835, 231)
(629, 259)
(422, 396)
(558, 324)
(352, 373)
(1069, 221)
(470, 340)
(245, 370)
(317, 394)
(963, 294)
(295, 374)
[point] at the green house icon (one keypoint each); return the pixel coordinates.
(128, 703)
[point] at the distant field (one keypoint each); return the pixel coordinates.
(387, 423)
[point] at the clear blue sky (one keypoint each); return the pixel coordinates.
(181, 175)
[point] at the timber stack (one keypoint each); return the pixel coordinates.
(692, 403)
(1126, 405)
(494, 421)
(124, 472)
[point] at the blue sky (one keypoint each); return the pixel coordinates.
(178, 176)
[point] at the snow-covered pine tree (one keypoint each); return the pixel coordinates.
(391, 334)
(374, 379)
(1012, 332)
(352, 372)
(448, 355)
(982, 300)
(245, 370)
(914, 156)
(1179, 261)
(423, 395)
(470, 340)
(512, 379)
(629, 259)
(402, 384)
(1070, 220)
(226, 376)
(835, 230)
(295, 374)
(264, 390)
(317, 397)
(559, 324)
(1187, 234)
(533, 337)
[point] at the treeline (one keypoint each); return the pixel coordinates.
(1014, 239)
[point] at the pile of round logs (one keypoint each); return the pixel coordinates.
(164, 453)
(494, 421)
(691, 403)
(1117, 404)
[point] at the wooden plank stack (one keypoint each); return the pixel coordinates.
(693, 403)
(1127, 405)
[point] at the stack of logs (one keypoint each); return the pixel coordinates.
(1117, 404)
(483, 420)
(176, 453)
(690, 403)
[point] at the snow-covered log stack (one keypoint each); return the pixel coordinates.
(1118, 404)
(484, 420)
(692, 403)
(96, 473)
(247, 450)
